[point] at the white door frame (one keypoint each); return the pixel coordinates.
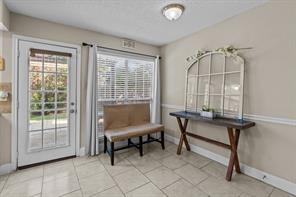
(14, 129)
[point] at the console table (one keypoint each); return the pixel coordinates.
(233, 127)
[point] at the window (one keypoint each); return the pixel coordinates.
(122, 78)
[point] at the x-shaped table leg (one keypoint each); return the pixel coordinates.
(233, 135)
(183, 137)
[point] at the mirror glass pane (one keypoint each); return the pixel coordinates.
(191, 87)
(203, 85)
(191, 102)
(231, 104)
(217, 63)
(216, 84)
(232, 84)
(204, 65)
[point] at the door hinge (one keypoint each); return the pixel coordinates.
(18, 53)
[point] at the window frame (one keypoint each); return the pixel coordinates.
(127, 56)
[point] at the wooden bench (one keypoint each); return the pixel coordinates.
(123, 122)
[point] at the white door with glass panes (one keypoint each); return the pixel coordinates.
(46, 102)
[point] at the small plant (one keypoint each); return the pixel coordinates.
(207, 109)
(207, 112)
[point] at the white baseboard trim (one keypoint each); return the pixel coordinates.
(81, 152)
(6, 168)
(252, 117)
(250, 171)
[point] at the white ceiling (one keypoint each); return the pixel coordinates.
(140, 20)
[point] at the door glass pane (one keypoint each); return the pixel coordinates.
(36, 106)
(62, 82)
(49, 120)
(62, 64)
(36, 63)
(35, 122)
(62, 119)
(62, 97)
(35, 97)
(49, 96)
(49, 106)
(49, 63)
(62, 136)
(35, 140)
(61, 105)
(35, 80)
(48, 138)
(49, 81)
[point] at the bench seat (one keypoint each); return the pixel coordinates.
(119, 134)
(127, 121)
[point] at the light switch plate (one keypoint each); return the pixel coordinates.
(2, 64)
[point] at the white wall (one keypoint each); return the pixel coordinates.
(270, 84)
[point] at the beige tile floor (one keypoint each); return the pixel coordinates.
(157, 174)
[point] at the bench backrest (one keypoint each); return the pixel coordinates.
(119, 116)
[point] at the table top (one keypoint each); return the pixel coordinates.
(220, 121)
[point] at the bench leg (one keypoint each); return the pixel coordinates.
(141, 145)
(129, 142)
(148, 136)
(112, 153)
(162, 139)
(105, 144)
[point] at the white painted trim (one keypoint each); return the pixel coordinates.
(270, 119)
(81, 152)
(253, 117)
(250, 171)
(14, 120)
(14, 137)
(177, 107)
(78, 100)
(6, 168)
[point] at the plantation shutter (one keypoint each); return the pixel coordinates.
(122, 78)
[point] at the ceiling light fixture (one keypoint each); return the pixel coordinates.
(173, 11)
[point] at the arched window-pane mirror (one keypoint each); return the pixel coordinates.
(215, 80)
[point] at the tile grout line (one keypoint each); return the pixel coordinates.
(149, 179)
(43, 169)
(116, 185)
(4, 183)
(146, 176)
(77, 179)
